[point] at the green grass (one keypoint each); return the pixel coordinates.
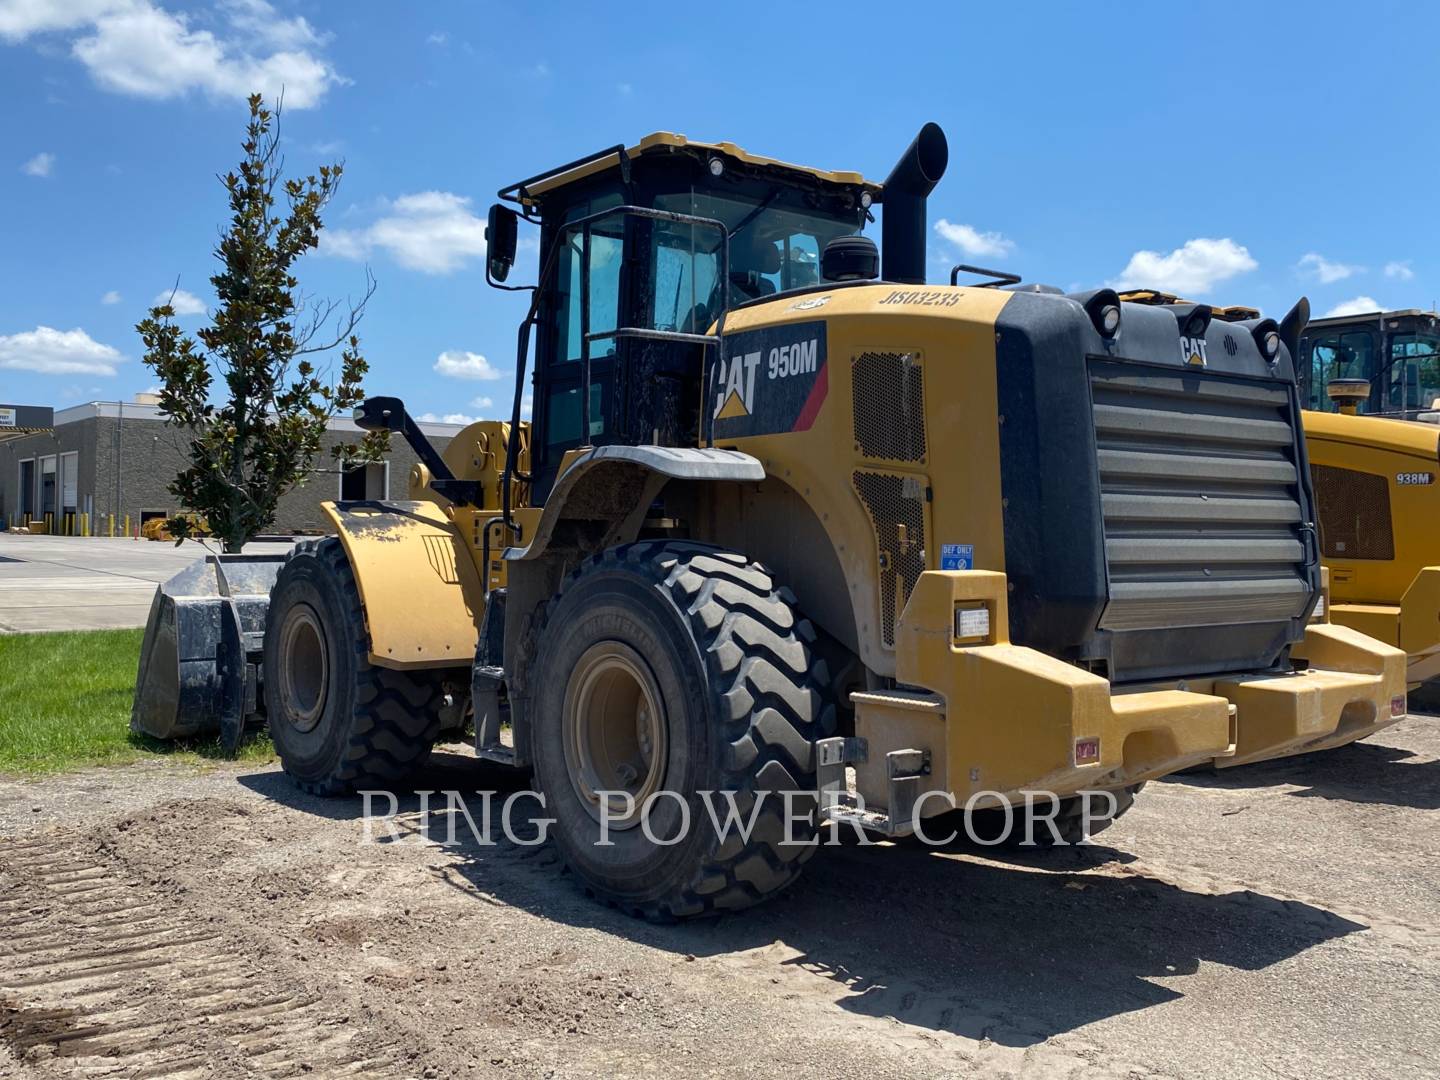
(65, 703)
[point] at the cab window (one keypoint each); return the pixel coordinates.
(772, 249)
(1347, 355)
(607, 247)
(1414, 371)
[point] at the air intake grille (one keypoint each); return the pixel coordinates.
(1354, 512)
(889, 405)
(1199, 489)
(896, 505)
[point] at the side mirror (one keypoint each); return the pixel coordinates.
(501, 234)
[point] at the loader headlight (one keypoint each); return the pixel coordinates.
(1102, 307)
(972, 624)
(1267, 339)
(717, 167)
(865, 200)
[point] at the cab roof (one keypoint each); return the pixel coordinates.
(528, 192)
(1370, 317)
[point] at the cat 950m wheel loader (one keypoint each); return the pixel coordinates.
(792, 527)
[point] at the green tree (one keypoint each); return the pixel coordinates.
(260, 437)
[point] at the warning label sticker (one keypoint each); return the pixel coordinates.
(957, 556)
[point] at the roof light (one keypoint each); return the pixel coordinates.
(865, 200)
(717, 167)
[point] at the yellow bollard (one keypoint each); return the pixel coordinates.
(126, 533)
(112, 525)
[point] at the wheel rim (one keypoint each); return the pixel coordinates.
(614, 732)
(304, 667)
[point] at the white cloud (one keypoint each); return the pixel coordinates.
(57, 352)
(525, 403)
(1325, 271)
(972, 241)
(434, 232)
(482, 403)
(21, 18)
(111, 297)
(1361, 305)
(1192, 268)
(184, 303)
(1399, 270)
(39, 165)
(257, 20)
(439, 37)
(448, 418)
(465, 365)
(139, 48)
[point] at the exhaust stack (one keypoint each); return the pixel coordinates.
(909, 184)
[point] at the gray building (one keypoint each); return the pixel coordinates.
(118, 458)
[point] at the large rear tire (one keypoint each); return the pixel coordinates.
(339, 722)
(674, 667)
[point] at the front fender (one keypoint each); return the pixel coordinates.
(603, 491)
(419, 585)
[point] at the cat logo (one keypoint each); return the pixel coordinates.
(771, 380)
(738, 386)
(1192, 351)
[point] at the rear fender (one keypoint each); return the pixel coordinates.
(418, 582)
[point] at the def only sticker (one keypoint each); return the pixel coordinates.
(957, 556)
(771, 381)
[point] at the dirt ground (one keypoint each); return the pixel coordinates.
(1277, 921)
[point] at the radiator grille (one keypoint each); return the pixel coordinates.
(896, 505)
(1354, 512)
(889, 405)
(1199, 490)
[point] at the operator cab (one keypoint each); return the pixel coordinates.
(635, 264)
(1390, 359)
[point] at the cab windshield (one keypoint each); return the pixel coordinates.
(1402, 368)
(772, 249)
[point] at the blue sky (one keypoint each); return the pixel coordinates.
(1241, 153)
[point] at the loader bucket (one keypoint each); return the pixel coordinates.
(198, 662)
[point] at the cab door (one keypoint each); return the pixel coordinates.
(558, 415)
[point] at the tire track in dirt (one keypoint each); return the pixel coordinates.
(104, 975)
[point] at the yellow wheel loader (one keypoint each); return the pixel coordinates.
(1376, 476)
(795, 535)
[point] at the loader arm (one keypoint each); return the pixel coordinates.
(389, 414)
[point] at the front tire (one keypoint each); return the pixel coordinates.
(674, 667)
(339, 722)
